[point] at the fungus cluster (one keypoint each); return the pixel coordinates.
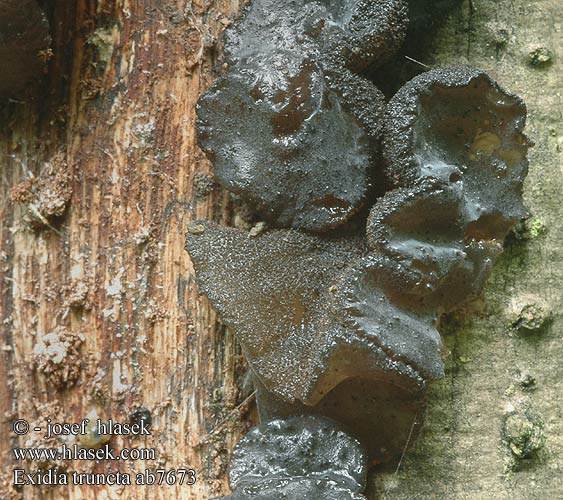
(300, 128)
(337, 314)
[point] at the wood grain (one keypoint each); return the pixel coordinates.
(116, 112)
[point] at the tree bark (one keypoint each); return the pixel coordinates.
(100, 177)
(92, 250)
(495, 369)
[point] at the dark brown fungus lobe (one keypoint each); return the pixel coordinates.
(300, 457)
(364, 32)
(351, 33)
(267, 27)
(295, 488)
(454, 141)
(273, 290)
(423, 229)
(290, 128)
(296, 140)
(371, 311)
(312, 316)
(456, 124)
(306, 457)
(24, 44)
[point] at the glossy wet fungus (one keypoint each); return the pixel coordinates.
(456, 124)
(291, 143)
(454, 145)
(299, 307)
(300, 131)
(300, 457)
(343, 324)
(314, 312)
(291, 489)
(351, 33)
(420, 230)
(24, 44)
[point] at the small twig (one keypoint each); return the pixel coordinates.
(406, 444)
(417, 62)
(221, 425)
(43, 220)
(105, 151)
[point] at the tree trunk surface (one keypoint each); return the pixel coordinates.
(99, 310)
(113, 142)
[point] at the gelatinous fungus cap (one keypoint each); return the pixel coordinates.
(454, 143)
(293, 139)
(322, 318)
(456, 124)
(307, 314)
(24, 44)
(291, 489)
(290, 127)
(305, 457)
(363, 33)
(422, 230)
(352, 33)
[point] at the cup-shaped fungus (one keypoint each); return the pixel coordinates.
(297, 140)
(454, 143)
(312, 314)
(458, 125)
(422, 229)
(360, 33)
(344, 326)
(352, 33)
(290, 127)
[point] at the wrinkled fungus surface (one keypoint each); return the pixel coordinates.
(300, 457)
(24, 44)
(321, 318)
(291, 489)
(454, 145)
(304, 314)
(293, 139)
(458, 125)
(353, 33)
(291, 127)
(344, 325)
(422, 229)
